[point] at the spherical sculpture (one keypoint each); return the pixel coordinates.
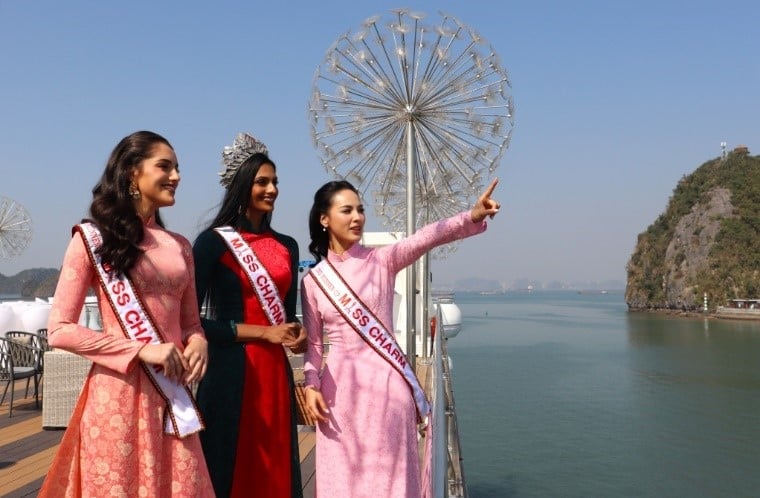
(15, 228)
(444, 81)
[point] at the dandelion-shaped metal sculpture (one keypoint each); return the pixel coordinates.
(15, 228)
(414, 115)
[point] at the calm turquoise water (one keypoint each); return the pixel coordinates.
(561, 394)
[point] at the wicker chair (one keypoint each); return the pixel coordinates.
(66, 376)
(17, 362)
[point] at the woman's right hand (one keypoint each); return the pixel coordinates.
(284, 333)
(485, 205)
(168, 357)
(315, 404)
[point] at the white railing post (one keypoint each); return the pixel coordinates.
(439, 464)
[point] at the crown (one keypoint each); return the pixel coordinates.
(236, 154)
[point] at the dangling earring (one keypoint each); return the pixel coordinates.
(133, 191)
(324, 228)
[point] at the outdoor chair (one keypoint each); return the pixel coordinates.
(17, 362)
(43, 338)
(39, 343)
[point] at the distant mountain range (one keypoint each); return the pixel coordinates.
(486, 285)
(35, 282)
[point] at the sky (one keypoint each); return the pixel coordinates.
(615, 102)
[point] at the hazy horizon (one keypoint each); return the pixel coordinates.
(469, 283)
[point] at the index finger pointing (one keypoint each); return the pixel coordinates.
(491, 188)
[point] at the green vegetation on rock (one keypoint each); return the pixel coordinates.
(706, 241)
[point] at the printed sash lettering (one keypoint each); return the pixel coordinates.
(261, 281)
(369, 327)
(183, 418)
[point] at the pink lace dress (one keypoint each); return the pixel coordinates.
(368, 447)
(114, 444)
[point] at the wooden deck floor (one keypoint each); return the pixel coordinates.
(26, 449)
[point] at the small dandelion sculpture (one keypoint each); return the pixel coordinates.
(416, 116)
(15, 228)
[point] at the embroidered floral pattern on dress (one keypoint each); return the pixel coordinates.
(115, 445)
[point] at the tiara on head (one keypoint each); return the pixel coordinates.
(233, 156)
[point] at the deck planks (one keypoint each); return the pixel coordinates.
(26, 449)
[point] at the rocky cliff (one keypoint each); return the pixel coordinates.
(706, 241)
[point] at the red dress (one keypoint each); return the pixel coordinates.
(246, 396)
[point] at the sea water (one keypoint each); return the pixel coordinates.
(562, 394)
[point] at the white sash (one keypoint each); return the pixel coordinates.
(261, 281)
(183, 418)
(368, 327)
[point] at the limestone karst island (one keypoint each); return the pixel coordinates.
(702, 254)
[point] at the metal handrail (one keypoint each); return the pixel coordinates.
(456, 479)
(446, 463)
(439, 465)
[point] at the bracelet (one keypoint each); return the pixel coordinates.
(233, 326)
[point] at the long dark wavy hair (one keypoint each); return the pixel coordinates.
(238, 196)
(323, 198)
(113, 209)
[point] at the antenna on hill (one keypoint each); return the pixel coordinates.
(15, 228)
(723, 150)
